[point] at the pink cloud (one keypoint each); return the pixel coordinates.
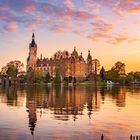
(69, 4)
(31, 25)
(92, 6)
(11, 27)
(81, 15)
(2, 17)
(29, 9)
(101, 31)
(3, 7)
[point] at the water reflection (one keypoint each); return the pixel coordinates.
(63, 103)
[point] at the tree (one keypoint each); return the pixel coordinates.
(3, 70)
(61, 62)
(102, 73)
(12, 71)
(12, 68)
(137, 76)
(112, 75)
(34, 76)
(60, 54)
(30, 77)
(38, 75)
(47, 78)
(57, 78)
(119, 67)
(95, 68)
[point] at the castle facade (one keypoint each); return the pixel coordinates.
(68, 65)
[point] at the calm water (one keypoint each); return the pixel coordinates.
(69, 113)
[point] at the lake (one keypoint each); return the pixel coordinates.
(69, 113)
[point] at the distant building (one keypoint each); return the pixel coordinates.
(75, 64)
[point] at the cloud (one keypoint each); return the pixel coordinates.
(11, 27)
(4, 8)
(134, 10)
(119, 39)
(29, 9)
(69, 4)
(90, 5)
(101, 30)
(132, 40)
(122, 38)
(94, 19)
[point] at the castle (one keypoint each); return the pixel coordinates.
(69, 65)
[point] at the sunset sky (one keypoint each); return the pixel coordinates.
(109, 28)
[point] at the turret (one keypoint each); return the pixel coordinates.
(89, 63)
(31, 60)
(74, 53)
(89, 57)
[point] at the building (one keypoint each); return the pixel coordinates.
(32, 58)
(72, 65)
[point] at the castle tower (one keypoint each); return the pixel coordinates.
(32, 58)
(89, 63)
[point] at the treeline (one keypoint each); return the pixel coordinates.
(116, 74)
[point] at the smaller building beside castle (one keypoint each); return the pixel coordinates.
(73, 64)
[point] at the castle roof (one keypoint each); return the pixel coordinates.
(74, 53)
(33, 44)
(89, 57)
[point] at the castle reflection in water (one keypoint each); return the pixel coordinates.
(63, 102)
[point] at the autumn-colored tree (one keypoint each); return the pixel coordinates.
(38, 75)
(61, 62)
(60, 54)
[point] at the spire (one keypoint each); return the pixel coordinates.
(89, 56)
(88, 52)
(41, 56)
(33, 40)
(33, 35)
(74, 53)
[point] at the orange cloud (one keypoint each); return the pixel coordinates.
(121, 38)
(131, 40)
(128, 1)
(134, 9)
